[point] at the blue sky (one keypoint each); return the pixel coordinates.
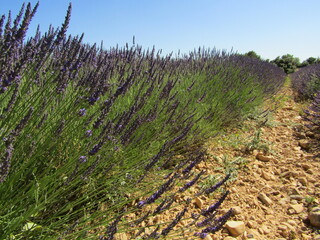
(270, 27)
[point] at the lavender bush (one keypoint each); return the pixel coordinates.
(83, 127)
(306, 81)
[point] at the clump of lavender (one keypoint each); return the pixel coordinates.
(306, 81)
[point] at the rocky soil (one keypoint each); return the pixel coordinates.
(278, 180)
(275, 180)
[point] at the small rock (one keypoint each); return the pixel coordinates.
(236, 210)
(282, 227)
(198, 202)
(264, 158)
(297, 197)
(305, 166)
(304, 143)
(208, 237)
(250, 235)
(312, 180)
(291, 211)
(120, 236)
(266, 200)
(298, 208)
(266, 176)
(310, 171)
(235, 228)
(251, 224)
(303, 181)
(314, 216)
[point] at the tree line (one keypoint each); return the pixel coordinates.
(287, 62)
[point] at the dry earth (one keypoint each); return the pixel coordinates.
(276, 187)
(275, 180)
(274, 191)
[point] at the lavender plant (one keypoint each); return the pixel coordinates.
(83, 127)
(306, 81)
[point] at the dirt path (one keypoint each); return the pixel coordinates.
(275, 188)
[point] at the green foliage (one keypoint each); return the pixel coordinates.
(287, 62)
(253, 54)
(309, 61)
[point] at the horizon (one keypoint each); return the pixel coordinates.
(270, 28)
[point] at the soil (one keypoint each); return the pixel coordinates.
(275, 178)
(287, 173)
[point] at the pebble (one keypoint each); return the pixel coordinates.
(250, 235)
(314, 216)
(298, 208)
(198, 202)
(236, 210)
(264, 158)
(235, 228)
(266, 200)
(303, 181)
(304, 143)
(267, 176)
(297, 197)
(208, 237)
(120, 236)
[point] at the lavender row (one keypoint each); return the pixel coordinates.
(306, 81)
(81, 125)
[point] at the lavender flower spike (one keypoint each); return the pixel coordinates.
(165, 187)
(174, 222)
(192, 182)
(216, 186)
(215, 206)
(82, 112)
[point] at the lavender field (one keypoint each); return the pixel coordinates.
(91, 135)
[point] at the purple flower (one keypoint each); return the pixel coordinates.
(82, 112)
(192, 182)
(165, 187)
(216, 186)
(82, 159)
(215, 206)
(88, 133)
(174, 222)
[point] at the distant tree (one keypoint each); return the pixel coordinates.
(287, 62)
(309, 61)
(252, 54)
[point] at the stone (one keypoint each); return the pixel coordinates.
(251, 224)
(264, 158)
(303, 181)
(266, 176)
(282, 227)
(298, 208)
(304, 143)
(314, 216)
(236, 210)
(297, 197)
(208, 237)
(250, 235)
(235, 228)
(198, 202)
(264, 199)
(305, 166)
(120, 236)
